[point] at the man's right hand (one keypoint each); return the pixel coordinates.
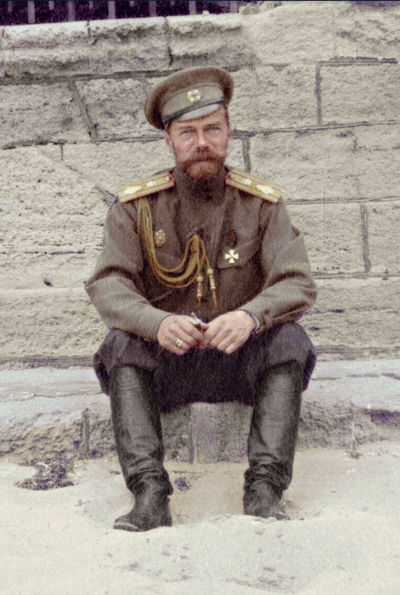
(178, 334)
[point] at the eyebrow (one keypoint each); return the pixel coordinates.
(190, 127)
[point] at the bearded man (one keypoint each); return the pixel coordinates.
(201, 280)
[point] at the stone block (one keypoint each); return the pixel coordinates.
(369, 384)
(334, 423)
(363, 92)
(354, 317)
(273, 96)
(378, 138)
(208, 40)
(48, 414)
(52, 151)
(110, 164)
(378, 161)
(284, 96)
(48, 323)
(236, 154)
(243, 109)
(364, 29)
(52, 222)
(219, 431)
(115, 106)
(128, 45)
(379, 174)
(308, 164)
(176, 431)
(383, 237)
(294, 32)
(46, 49)
(102, 47)
(39, 113)
(333, 236)
(350, 402)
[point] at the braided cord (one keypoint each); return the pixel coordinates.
(188, 270)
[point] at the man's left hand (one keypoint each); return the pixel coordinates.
(229, 331)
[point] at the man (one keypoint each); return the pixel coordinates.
(201, 279)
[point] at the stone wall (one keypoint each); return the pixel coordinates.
(316, 109)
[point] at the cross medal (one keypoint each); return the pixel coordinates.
(231, 256)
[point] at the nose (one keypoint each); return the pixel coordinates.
(202, 142)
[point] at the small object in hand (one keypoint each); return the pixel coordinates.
(179, 343)
(196, 321)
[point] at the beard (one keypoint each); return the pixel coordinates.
(203, 165)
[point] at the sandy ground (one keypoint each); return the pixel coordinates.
(344, 536)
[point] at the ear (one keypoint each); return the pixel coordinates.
(167, 138)
(230, 134)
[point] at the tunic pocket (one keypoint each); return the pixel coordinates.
(238, 256)
(239, 274)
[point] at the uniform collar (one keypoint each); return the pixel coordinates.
(209, 190)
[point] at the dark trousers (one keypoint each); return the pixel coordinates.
(255, 375)
(206, 375)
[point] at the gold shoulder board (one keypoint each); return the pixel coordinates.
(253, 185)
(156, 183)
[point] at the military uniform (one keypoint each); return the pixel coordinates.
(180, 244)
(260, 265)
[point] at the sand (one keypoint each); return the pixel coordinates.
(343, 536)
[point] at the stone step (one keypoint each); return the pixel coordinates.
(49, 413)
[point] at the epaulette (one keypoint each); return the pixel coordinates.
(141, 188)
(253, 185)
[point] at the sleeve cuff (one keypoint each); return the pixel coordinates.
(257, 329)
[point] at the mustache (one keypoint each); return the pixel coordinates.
(203, 156)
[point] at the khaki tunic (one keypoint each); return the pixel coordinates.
(269, 277)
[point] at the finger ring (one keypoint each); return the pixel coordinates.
(179, 343)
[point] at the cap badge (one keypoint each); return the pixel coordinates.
(159, 238)
(193, 96)
(231, 256)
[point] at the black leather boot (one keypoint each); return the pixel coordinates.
(137, 428)
(272, 440)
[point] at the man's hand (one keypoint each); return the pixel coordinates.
(229, 331)
(177, 333)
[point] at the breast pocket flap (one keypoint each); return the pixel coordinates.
(239, 255)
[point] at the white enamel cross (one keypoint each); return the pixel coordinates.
(231, 256)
